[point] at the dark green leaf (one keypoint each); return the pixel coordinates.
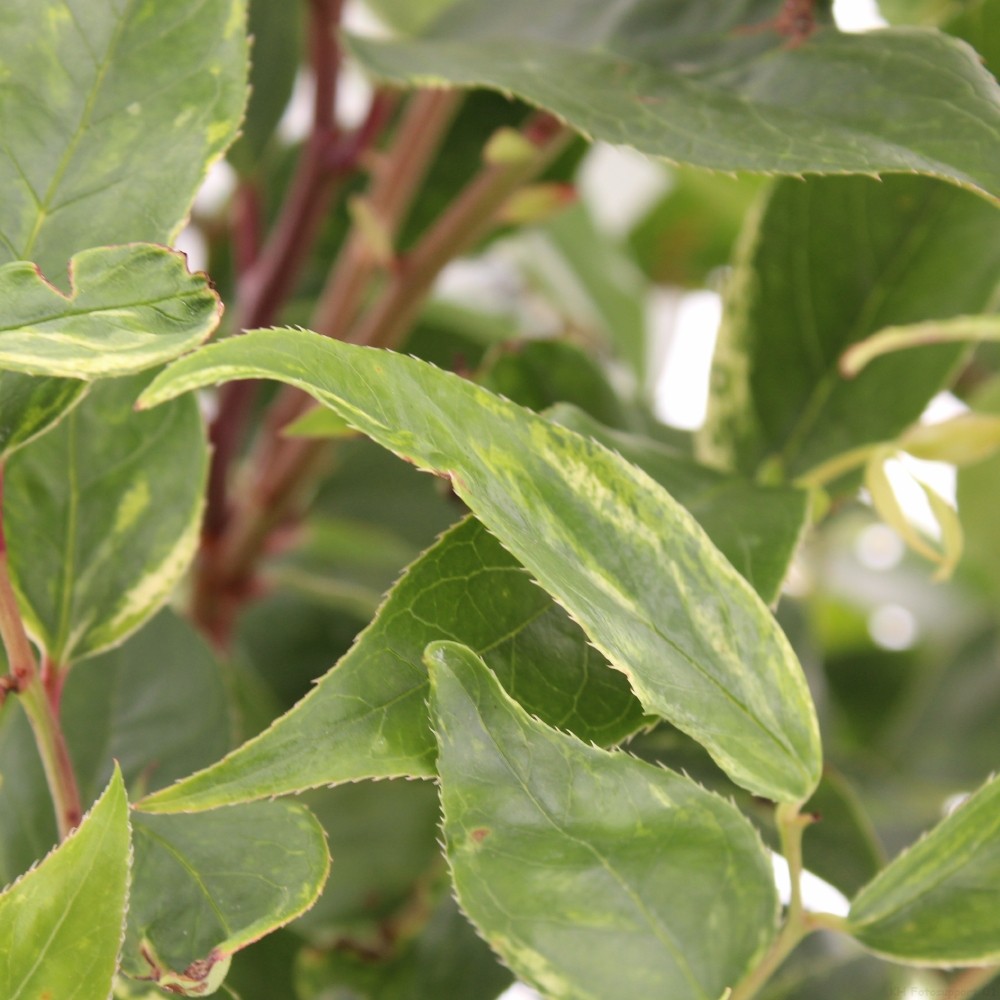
(275, 30)
(383, 836)
(628, 562)
(757, 528)
(205, 886)
(822, 265)
(592, 874)
(157, 705)
(539, 373)
(683, 79)
(936, 904)
(979, 24)
(690, 231)
(102, 518)
(61, 924)
(368, 716)
(130, 308)
(445, 960)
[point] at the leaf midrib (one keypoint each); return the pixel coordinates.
(88, 109)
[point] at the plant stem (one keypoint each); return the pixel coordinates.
(397, 179)
(284, 467)
(798, 923)
(42, 711)
(467, 220)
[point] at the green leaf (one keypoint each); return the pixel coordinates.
(628, 562)
(408, 16)
(61, 924)
(936, 904)
(29, 406)
(102, 518)
(539, 373)
(157, 706)
(684, 80)
(383, 836)
(690, 231)
(206, 886)
(368, 716)
(130, 308)
(757, 528)
(276, 34)
(592, 874)
(111, 119)
(822, 265)
(979, 24)
(446, 959)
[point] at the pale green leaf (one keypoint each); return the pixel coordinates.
(130, 307)
(961, 329)
(102, 517)
(110, 115)
(936, 904)
(408, 16)
(29, 406)
(593, 875)
(368, 716)
(821, 266)
(628, 562)
(964, 440)
(685, 80)
(757, 528)
(61, 924)
(206, 886)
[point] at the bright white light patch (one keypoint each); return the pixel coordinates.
(892, 626)
(818, 896)
(682, 389)
(619, 185)
(878, 547)
(857, 15)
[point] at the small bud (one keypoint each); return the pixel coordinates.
(537, 203)
(373, 231)
(508, 147)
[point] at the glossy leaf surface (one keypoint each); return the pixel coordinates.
(686, 80)
(102, 517)
(936, 904)
(230, 877)
(61, 923)
(368, 716)
(592, 874)
(628, 562)
(130, 308)
(757, 528)
(822, 265)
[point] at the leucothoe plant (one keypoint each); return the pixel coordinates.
(630, 666)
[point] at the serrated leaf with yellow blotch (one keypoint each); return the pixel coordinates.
(61, 924)
(102, 518)
(130, 308)
(592, 874)
(627, 561)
